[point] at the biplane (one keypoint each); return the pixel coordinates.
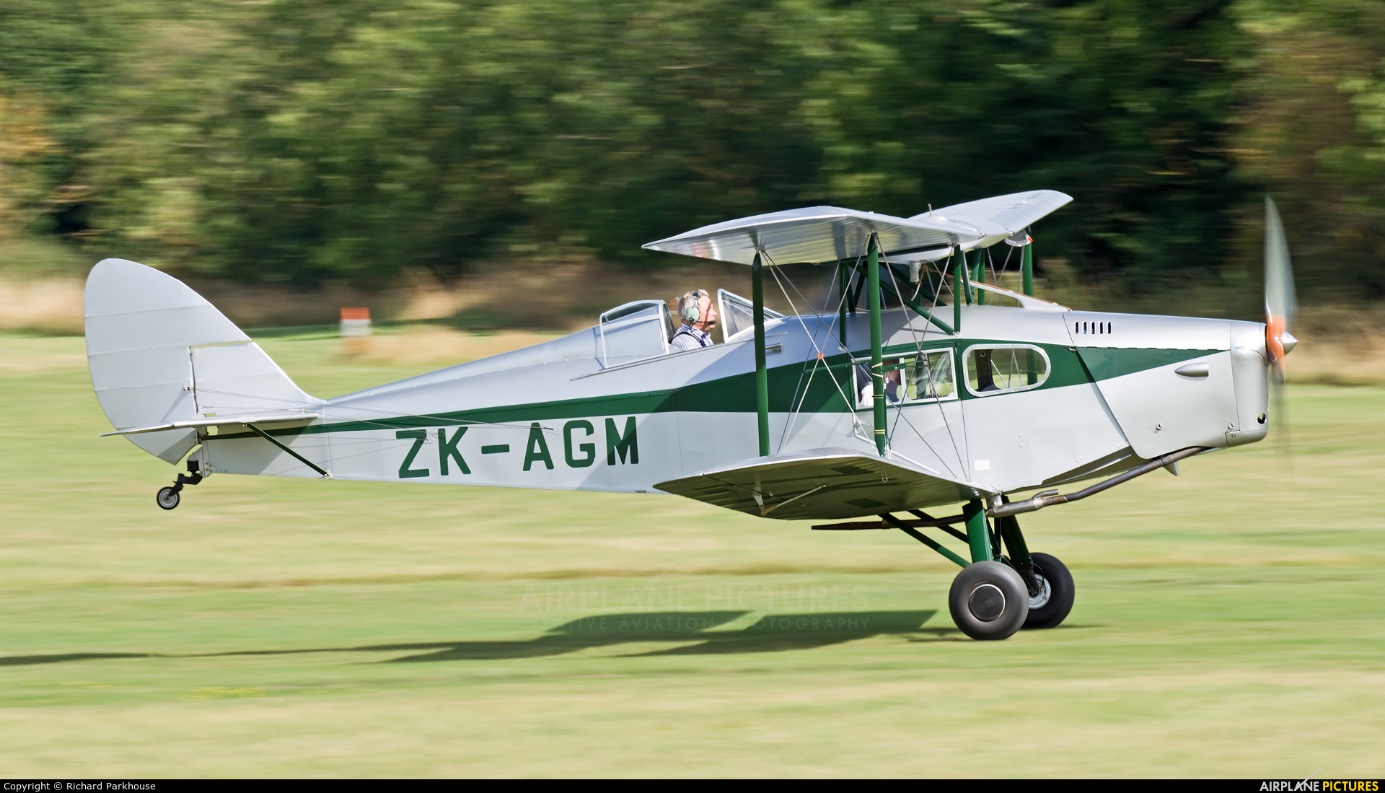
(921, 383)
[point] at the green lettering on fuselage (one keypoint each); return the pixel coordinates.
(448, 448)
(579, 448)
(537, 450)
(622, 443)
(419, 436)
(588, 449)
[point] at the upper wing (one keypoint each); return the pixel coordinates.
(821, 484)
(829, 234)
(999, 216)
(813, 234)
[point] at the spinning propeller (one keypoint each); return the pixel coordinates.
(1280, 304)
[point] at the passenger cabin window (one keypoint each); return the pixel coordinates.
(911, 378)
(1008, 368)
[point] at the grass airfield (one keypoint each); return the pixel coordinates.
(1229, 622)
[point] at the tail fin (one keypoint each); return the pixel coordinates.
(160, 354)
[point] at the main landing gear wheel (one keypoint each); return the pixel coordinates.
(167, 498)
(988, 601)
(1051, 606)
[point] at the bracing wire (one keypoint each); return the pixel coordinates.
(820, 356)
(899, 413)
(832, 326)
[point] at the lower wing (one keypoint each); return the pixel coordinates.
(821, 484)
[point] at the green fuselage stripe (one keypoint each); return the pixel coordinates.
(1105, 363)
(790, 389)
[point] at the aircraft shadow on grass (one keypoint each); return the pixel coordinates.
(694, 634)
(692, 631)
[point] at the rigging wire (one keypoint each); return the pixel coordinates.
(809, 373)
(899, 413)
(821, 358)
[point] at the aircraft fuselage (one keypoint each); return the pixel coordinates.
(1021, 398)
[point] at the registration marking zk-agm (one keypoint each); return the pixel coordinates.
(578, 451)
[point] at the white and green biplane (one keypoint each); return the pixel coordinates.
(920, 384)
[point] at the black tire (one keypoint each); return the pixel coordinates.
(1054, 602)
(167, 498)
(988, 601)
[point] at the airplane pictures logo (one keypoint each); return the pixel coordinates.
(1311, 785)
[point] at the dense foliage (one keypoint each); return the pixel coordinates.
(305, 139)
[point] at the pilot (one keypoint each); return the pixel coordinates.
(699, 318)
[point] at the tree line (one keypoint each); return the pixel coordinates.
(352, 139)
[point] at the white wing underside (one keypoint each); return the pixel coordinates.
(822, 484)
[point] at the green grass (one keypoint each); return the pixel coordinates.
(1229, 622)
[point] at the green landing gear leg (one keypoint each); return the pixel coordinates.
(1050, 586)
(988, 600)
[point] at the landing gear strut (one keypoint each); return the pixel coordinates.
(168, 497)
(990, 597)
(1004, 587)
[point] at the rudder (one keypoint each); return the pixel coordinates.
(158, 353)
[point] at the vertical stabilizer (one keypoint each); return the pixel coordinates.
(160, 353)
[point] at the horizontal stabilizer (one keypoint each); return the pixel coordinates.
(822, 484)
(202, 423)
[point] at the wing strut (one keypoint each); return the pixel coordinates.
(757, 298)
(915, 306)
(978, 274)
(877, 362)
(958, 270)
(843, 284)
(1027, 269)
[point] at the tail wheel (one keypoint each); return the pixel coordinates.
(1051, 606)
(167, 498)
(988, 601)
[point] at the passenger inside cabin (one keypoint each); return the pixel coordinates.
(894, 391)
(985, 380)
